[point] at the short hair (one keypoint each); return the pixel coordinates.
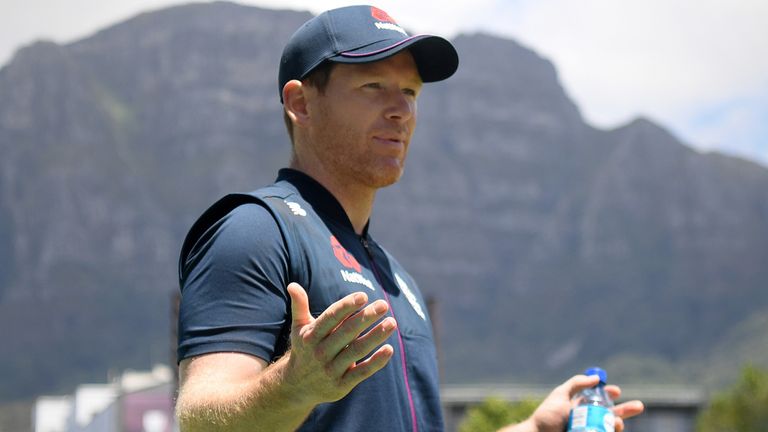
(318, 79)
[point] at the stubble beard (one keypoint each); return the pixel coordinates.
(368, 170)
(346, 160)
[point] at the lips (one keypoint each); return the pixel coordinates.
(389, 146)
(394, 137)
(394, 143)
(390, 140)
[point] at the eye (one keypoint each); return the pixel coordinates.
(373, 85)
(410, 92)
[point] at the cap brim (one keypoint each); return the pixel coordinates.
(435, 57)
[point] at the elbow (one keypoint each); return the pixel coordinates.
(194, 416)
(187, 416)
(205, 414)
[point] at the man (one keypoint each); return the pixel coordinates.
(292, 316)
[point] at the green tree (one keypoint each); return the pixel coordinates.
(743, 408)
(494, 413)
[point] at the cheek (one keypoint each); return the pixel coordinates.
(411, 127)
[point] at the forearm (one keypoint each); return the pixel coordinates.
(266, 402)
(526, 426)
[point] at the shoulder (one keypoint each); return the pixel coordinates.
(246, 226)
(231, 238)
(232, 211)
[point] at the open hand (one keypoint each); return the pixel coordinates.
(326, 351)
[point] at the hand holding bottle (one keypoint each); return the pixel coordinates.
(592, 412)
(552, 414)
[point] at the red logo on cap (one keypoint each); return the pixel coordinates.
(344, 257)
(381, 15)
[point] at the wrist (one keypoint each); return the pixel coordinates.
(528, 425)
(289, 384)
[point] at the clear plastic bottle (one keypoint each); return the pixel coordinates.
(592, 412)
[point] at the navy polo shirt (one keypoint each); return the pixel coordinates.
(240, 256)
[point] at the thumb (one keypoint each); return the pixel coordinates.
(299, 305)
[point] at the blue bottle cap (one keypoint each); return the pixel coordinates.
(599, 372)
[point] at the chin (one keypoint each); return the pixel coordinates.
(384, 178)
(388, 182)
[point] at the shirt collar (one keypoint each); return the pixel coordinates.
(320, 198)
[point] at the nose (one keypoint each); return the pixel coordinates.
(402, 107)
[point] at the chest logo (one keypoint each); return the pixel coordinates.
(410, 296)
(345, 258)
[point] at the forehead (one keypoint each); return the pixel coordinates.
(401, 65)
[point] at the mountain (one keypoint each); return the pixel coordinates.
(545, 243)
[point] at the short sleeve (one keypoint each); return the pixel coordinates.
(233, 288)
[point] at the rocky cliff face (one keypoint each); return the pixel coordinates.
(568, 245)
(547, 244)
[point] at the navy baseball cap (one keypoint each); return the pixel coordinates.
(362, 34)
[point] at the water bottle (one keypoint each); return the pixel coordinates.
(593, 407)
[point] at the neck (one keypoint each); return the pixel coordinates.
(356, 201)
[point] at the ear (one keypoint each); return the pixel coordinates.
(295, 102)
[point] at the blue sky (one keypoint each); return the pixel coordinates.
(697, 67)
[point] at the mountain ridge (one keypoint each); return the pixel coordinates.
(529, 227)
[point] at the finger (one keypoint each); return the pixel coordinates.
(335, 314)
(578, 383)
(346, 332)
(618, 424)
(363, 346)
(363, 370)
(613, 391)
(299, 305)
(629, 409)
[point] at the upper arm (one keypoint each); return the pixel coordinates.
(233, 290)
